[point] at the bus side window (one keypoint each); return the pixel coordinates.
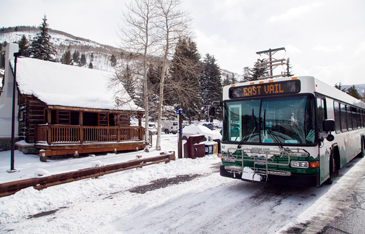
(343, 117)
(337, 110)
(358, 116)
(349, 118)
(322, 114)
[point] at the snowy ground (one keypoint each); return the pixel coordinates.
(183, 196)
(29, 166)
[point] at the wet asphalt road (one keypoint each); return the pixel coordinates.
(352, 219)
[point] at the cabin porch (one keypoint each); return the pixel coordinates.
(69, 139)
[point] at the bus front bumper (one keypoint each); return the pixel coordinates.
(296, 180)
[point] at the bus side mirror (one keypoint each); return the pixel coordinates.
(329, 126)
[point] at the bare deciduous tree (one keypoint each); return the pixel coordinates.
(172, 24)
(138, 35)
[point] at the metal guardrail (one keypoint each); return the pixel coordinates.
(10, 188)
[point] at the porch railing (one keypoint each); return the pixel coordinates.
(67, 134)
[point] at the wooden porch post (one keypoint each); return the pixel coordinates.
(81, 123)
(117, 124)
(49, 128)
(57, 117)
(140, 120)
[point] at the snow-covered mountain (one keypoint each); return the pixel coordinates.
(63, 41)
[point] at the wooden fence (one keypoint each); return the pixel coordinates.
(66, 134)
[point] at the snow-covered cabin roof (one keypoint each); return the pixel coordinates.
(65, 85)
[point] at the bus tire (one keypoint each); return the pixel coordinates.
(167, 131)
(331, 169)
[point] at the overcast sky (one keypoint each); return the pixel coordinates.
(324, 38)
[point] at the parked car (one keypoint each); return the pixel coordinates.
(152, 127)
(201, 130)
(170, 126)
(210, 126)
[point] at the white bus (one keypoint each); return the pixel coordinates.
(295, 131)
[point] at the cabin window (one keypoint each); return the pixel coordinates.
(75, 116)
(54, 117)
(21, 115)
(111, 120)
(90, 119)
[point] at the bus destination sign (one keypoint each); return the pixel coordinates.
(274, 88)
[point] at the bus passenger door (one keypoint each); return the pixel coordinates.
(234, 124)
(323, 150)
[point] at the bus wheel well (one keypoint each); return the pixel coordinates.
(362, 146)
(336, 157)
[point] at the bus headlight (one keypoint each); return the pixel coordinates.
(299, 164)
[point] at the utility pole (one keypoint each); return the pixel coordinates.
(272, 64)
(179, 142)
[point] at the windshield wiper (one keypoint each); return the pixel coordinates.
(275, 138)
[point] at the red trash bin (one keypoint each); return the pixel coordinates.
(193, 148)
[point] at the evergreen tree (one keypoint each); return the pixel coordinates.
(339, 86)
(233, 79)
(41, 47)
(66, 58)
(76, 56)
(91, 66)
(128, 82)
(2, 59)
(288, 68)
(183, 86)
(113, 60)
(353, 92)
(210, 80)
(23, 44)
(91, 57)
(258, 72)
(83, 60)
(226, 81)
(153, 75)
(2, 54)
(247, 74)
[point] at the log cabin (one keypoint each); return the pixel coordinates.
(65, 109)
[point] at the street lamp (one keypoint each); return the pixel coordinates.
(12, 169)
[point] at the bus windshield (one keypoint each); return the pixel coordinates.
(288, 120)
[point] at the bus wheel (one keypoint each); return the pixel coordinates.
(362, 148)
(332, 170)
